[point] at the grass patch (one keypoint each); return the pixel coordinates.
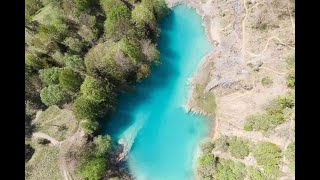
(43, 164)
(268, 155)
(266, 81)
(205, 100)
(57, 123)
(277, 112)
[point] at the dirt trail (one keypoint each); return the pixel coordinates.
(53, 141)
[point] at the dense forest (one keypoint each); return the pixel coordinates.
(80, 54)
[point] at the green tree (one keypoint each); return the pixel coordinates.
(50, 76)
(74, 44)
(143, 72)
(35, 62)
(141, 14)
(160, 8)
(53, 94)
(238, 147)
(96, 90)
(118, 22)
(102, 145)
(268, 155)
(89, 126)
(70, 80)
(75, 63)
(85, 108)
(131, 49)
(92, 168)
(83, 4)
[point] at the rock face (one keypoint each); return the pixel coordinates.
(252, 39)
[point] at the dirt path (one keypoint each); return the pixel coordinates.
(53, 141)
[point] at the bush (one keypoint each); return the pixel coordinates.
(102, 145)
(50, 76)
(291, 79)
(89, 126)
(268, 155)
(255, 174)
(96, 90)
(92, 168)
(35, 62)
(266, 81)
(238, 147)
(53, 95)
(228, 169)
(207, 147)
(70, 80)
(160, 9)
(141, 14)
(143, 72)
(74, 62)
(276, 113)
(206, 166)
(74, 44)
(221, 143)
(118, 22)
(290, 156)
(85, 108)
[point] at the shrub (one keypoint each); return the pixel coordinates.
(276, 113)
(85, 108)
(266, 81)
(97, 90)
(238, 147)
(102, 145)
(221, 143)
(160, 9)
(118, 22)
(207, 147)
(143, 72)
(290, 156)
(141, 14)
(228, 169)
(70, 80)
(92, 168)
(255, 174)
(35, 62)
(53, 95)
(89, 126)
(206, 166)
(74, 62)
(50, 76)
(74, 44)
(268, 155)
(291, 79)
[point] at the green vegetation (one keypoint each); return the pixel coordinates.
(238, 147)
(210, 167)
(94, 162)
(82, 53)
(205, 100)
(291, 75)
(43, 163)
(70, 80)
(256, 174)
(268, 155)
(53, 95)
(57, 123)
(290, 156)
(276, 113)
(266, 81)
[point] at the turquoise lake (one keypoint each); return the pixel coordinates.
(162, 137)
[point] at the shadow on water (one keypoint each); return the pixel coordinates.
(159, 78)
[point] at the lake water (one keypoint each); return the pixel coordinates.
(161, 136)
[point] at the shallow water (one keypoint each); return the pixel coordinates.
(164, 137)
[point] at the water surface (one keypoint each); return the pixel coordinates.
(152, 119)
